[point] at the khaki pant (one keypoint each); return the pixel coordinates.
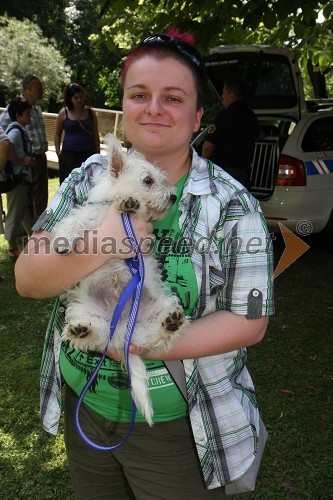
(19, 216)
(158, 463)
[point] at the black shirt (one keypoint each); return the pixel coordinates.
(234, 133)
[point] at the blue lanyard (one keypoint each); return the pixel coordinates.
(133, 289)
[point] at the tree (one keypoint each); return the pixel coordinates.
(90, 62)
(305, 26)
(94, 35)
(295, 24)
(24, 50)
(70, 26)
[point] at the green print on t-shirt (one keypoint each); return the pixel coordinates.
(173, 254)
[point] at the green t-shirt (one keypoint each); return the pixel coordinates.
(109, 394)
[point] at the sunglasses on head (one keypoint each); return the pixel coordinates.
(177, 45)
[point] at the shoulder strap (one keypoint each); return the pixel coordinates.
(23, 135)
(176, 370)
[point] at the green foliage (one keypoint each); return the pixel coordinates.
(109, 83)
(278, 22)
(24, 50)
(84, 48)
(94, 35)
(80, 23)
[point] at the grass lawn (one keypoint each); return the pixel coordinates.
(291, 368)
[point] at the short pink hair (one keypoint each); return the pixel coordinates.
(160, 51)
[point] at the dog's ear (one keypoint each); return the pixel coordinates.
(116, 155)
(116, 164)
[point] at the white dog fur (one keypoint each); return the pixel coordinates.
(133, 185)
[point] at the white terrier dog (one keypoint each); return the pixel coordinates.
(136, 186)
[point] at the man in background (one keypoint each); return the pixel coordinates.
(231, 139)
(33, 92)
(5, 147)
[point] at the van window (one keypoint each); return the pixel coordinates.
(269, 77)
(319, 136)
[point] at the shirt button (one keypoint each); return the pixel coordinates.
(255, 293)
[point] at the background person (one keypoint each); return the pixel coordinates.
(231, 139)
(33, 92)
(196, 446)
(79, 124)
(5, 147)
(19, 215)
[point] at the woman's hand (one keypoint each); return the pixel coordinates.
(112, 353)
(224, 332)
(113, 235)
(42, 273)
(29, 161)
(133, 349)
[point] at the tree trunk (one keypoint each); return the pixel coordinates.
(318, 81)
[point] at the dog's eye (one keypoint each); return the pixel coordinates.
(148, 180)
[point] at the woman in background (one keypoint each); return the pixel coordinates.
(79, 124)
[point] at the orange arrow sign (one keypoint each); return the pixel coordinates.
(295, 247)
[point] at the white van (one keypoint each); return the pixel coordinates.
(292, 171)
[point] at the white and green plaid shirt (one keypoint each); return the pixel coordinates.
(232, 259)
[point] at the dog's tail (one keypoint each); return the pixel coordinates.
(140, 392)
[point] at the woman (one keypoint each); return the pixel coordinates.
(19, 217)
(79, 124)
(223, 278)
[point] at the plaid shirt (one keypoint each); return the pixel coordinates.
(232, 257)
(36, 128)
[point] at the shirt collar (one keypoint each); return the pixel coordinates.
(200, 179)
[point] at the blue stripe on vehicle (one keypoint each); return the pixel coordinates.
(311, 168)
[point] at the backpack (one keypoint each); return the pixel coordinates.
(8, 180)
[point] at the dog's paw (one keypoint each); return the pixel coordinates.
(84, 337)
(130, 205)
(62, 244)
(77, 330)
(174, 320)
(62, 248)
(169, 327)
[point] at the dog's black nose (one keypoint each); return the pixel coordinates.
(173, 198)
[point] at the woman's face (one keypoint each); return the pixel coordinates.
(78, 100)
(159, 106)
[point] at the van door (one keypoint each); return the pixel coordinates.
(275, 93)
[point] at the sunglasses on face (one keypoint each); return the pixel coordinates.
(177, 45)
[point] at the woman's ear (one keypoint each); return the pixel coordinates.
(198, 117)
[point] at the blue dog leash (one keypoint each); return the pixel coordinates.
(134, 290)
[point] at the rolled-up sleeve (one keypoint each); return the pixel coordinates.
(247, 264)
